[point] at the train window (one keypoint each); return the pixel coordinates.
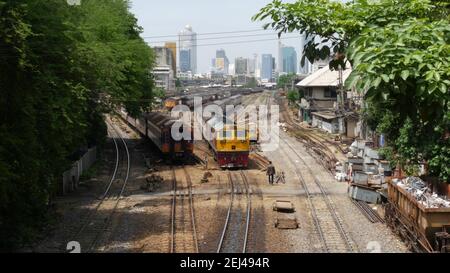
(228, 134)
(241, 135)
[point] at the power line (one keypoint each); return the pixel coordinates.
(246, 41)
(202, 34)
(222, 37)
(200, 45)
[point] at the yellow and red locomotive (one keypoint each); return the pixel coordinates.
(231, 145)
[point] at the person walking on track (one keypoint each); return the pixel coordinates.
(271, 172)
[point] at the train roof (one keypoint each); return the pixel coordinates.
(159, 119)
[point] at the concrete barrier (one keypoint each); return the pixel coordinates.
(71, 178)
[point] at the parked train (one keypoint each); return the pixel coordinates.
(230, 144)
(208, 96)
(158, 128)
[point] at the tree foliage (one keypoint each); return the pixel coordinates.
(285, 81)
(400, 54)
(61, 68)
(293, 96)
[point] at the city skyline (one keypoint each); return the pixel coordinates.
(229, 16)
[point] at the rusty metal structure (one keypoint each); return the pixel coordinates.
(423, 229)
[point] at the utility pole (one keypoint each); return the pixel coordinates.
(341, 89)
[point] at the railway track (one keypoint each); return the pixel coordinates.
(370, 214)
(98, 220)
(260, 160)
(183, 228)
(326, 220)
(234, 238)
(313, 141)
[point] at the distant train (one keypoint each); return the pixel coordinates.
(170, 103)
(158, 128)
(231, 145)
(208, 96)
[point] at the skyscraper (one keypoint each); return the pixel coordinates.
(185, 60)
(173, 47)
(289, 61)
(252, 65)
(188, 43)
(221, 61)
(241, 66)
(266, 67)
(163, 71)
(279, 65)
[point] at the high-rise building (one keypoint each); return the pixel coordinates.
(308, 67)
(221, 62)
(231, 69)
(163, 71)
(241, 66)
(163, 56)
(185, 60)
(279, 65)
(303, 69)
(188, 43)
(252, 65)
(266, 67)
(173, 47)
(289, 61)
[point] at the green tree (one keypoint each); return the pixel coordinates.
(61, 68)
(293, 96)
(399, 51)
(286, 81)
(251, 83)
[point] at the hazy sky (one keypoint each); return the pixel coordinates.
(168, 17)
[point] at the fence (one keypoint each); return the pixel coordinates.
(71, 178)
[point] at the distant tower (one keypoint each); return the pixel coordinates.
(267, 67)
(280, 57)
(289, 60)
(173, 47)
(187, 42)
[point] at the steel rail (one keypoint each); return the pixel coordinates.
(173, 212)
(105, 194)
(249, 208)
(327, 199)
(227, 220)
(122, 190)
(192, 210)
(311, 206)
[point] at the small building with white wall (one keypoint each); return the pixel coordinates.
(319, 105)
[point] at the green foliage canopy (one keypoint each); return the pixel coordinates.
(61, 68)
(293, 96)
(400, 54)
(285, 81)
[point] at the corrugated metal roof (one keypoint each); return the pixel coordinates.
(324, 77)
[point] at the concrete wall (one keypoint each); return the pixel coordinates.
(71, 178)
(318, 93)
(331, 127)
(351, 128)
(324, 103)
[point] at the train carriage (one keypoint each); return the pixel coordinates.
(423, 229)
(158, 128)
(170, 103)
